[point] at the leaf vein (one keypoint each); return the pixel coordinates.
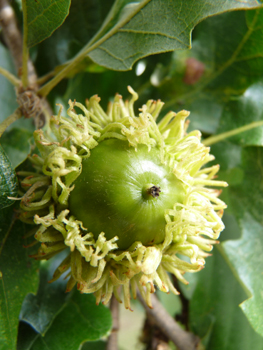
(7, 310)
(151, 33)
(43, 14)
(113, 56)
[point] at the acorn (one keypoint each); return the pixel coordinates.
(130, 197)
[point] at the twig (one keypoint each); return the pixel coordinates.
(182, 339)
(112, 343)
(14, 41)
(94, 43)
(9, 120)
(25, 48)
(220, 137)
(11, 33)
(9, 76)
(42, 80)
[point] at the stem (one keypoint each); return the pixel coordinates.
(42, 80)
(7, 233)
(25, 56)
(217, 138)
(44, 91)
(182, 339)
(19, 51)
(112, 343)
(13, 80)
(9, 120)
(13, 39)
(11, 33)
(150, 191)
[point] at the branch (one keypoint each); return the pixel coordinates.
(9, 120)
(182, 339)
(38, 108)
(25, 59)
(9, 76)
(14, 41)
(112, 343)
(94, 43)
(11, 33)
(220, 137)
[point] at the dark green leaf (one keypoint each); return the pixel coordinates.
(16, 145)
(107, 84)
(40, 310)
(232, 230)
(8, 180)
(228, 155)
(26, 336)
(43, 18)
(231, 40)
(246, 253)
(138, 29)
(98, 345)
(81, 320)
(225, 60)
(18, 276)
(242, 168)
(214, 311)
(244, 110)
(84, 19)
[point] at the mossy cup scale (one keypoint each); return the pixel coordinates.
(126, 195)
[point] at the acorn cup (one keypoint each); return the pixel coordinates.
(131, 198)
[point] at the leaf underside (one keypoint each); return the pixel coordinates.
(8, 181)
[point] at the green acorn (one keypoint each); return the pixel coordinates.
(128, 196)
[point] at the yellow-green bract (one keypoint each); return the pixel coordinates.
(128, 196)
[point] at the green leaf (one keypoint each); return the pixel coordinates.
(84, 18)
(43, 18)
(242, 111)
(137, 29)
(224, 62)
(248, 264)
(214, 312)
(242, 168)
(98, 345)
(106, 83)
(8, 180)
(18, 276)
(7, 92)
(246, 253)
(16, 145)
(133, 30)
(81, 320)
(26, 336)
(231, 41)
(40, 310)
